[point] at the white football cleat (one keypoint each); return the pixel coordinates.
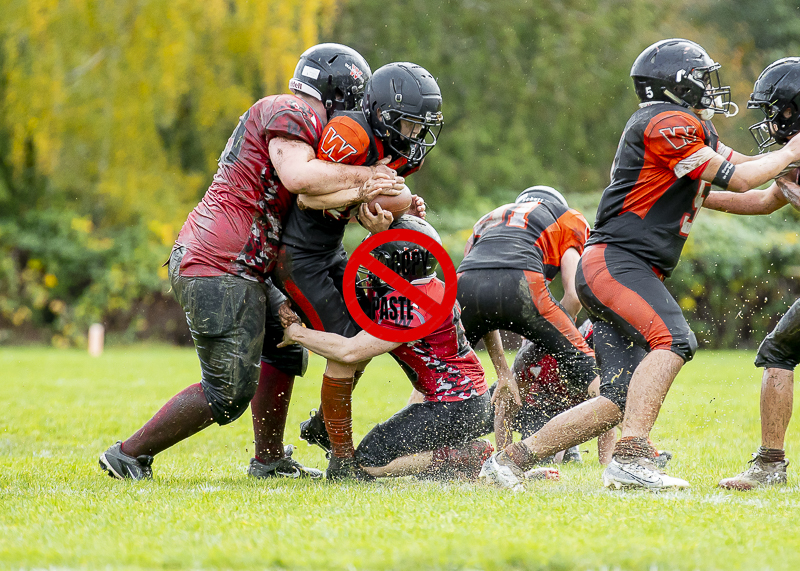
(501, 470)
(639, 473)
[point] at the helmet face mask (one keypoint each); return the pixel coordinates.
(333, 73)
(412, 136)
(681, 72)
(777, 94)
(403, 104)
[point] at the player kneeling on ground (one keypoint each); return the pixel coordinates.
(434, 436)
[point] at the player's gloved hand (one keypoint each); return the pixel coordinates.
(417, 207)
(374, 222)
(789, 187)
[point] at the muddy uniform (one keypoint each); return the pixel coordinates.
(445, 369)
(312, 260)
(544, 393)
(220, 265)
(514, 252)
(781, 348)
(643, 221)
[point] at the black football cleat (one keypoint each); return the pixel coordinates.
(346, 469)
(123, 467)
(313, 431)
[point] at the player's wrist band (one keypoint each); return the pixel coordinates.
(724, 175)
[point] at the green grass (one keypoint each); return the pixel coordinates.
(60, 409)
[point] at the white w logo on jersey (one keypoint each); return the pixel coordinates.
(335, 146)
(679, 136)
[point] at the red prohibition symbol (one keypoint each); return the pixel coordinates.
(439, 311)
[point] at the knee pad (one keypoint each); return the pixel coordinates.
(372, 451)
(774, 354)
(616, 393)
(685, 348)
(229, 400)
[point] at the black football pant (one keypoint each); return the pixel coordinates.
(633, 314)
(519, 301)
(781, 348)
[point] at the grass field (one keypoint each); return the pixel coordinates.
(60, 409)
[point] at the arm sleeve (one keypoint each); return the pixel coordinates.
(291, 121)
(574, 231)
(672, 138)
(343, 141)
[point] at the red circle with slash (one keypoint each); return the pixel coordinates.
(438, 311)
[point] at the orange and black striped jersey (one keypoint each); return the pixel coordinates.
(656, 189)
(346, 139)
(525, 236)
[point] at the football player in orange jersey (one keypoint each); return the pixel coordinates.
(668, 157)
(399, 121)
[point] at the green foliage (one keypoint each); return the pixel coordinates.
(112, 115)
(201, 511)
(737, 276)
(534, 92)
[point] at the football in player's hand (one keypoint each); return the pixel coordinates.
(397, 205)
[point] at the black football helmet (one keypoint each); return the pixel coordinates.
(681, 72)
(409, 260)
(334, 74)
(404, 91)
(777, 93)
(541, 193)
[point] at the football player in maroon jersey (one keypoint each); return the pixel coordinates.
(777, 94)
(399, 118)
(220, 265)
(430, 436)
(668, 157)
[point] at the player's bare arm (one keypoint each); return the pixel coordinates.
(569, 264)
(753, 173)
(301, 172)
(335, 347)
(372, 188)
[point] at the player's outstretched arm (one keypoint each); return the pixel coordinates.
(569, 265)
(301, 172)
(335, 347)
(753, 173)
(755, 201)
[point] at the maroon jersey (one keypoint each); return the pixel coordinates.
(529, 236)
(236, 228)
(442, 366)
(655, 189)
(346, 139)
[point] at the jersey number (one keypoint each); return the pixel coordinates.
(688, 218)
(519, 214)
